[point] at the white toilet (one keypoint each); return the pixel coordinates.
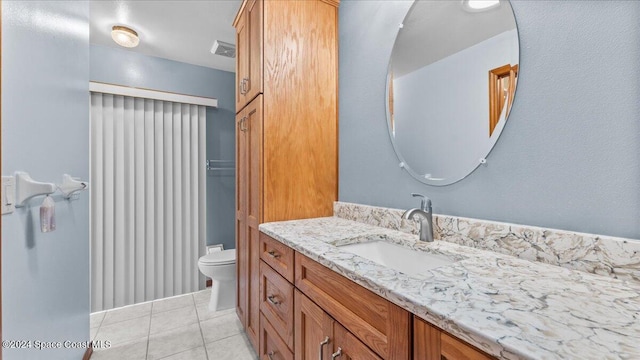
(220, 266)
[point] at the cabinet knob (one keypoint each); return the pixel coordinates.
(322, 344)
(336, 354)
(273, 254)
(270, 355)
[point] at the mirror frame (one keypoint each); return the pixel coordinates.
(481, 161)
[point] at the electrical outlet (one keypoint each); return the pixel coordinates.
(8, 201)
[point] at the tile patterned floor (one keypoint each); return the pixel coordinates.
(177, 328)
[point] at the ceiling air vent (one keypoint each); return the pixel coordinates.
(224, 49)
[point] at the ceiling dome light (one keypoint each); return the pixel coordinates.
(480, 5)
(125, 36)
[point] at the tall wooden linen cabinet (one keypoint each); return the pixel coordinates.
(287, 127)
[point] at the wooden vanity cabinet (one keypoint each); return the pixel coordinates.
(287, 128)
(431, 343)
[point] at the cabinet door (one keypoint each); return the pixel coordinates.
(272, 347)
(348, 347)
(242, 252)
(313, 330)
(242, 62)
(431, 343)
(253, 132)
(249, 53)
(253, 84)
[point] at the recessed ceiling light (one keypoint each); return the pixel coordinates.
(480, 5)
(125, 36)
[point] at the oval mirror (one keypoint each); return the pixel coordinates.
(451, 82)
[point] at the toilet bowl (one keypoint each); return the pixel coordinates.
(220, 266)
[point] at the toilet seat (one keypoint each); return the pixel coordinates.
(224, 257)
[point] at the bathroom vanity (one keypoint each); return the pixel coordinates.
(308, 310)
(318, 297)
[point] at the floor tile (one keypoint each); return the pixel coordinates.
(127, 313)
(167, 320)
(205, 314)
(202, 296)
(220, 327)
(124, 331)
(96, 319)
(198, 353)
(133, 350)
(236, 347)
(171, 303)
(174, 341)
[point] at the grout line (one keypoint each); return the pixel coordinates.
(204, 345)
(97, 328)
(146, 354)
(224, 338)
(183, 351)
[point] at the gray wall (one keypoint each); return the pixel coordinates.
(123, 67)
(568, 157)
(45, 131)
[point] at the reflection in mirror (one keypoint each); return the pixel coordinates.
(443, 116)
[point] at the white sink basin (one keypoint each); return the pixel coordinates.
(410, 262)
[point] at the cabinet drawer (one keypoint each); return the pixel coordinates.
(276, 302)
(278, 255)
(271, 345)
(378, 323)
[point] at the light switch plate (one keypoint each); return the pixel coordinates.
(8, 201)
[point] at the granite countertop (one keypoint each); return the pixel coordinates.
(509, 307)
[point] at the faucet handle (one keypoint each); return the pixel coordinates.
(425, 202)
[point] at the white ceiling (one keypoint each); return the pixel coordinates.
(182, 30)
(434, 30)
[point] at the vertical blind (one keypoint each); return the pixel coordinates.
(147, 199)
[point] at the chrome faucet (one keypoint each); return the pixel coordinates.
(426, 219)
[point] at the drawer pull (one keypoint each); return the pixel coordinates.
(336, 354)
(322, 344)
(272, 300)
(273, 254)
(270, 355)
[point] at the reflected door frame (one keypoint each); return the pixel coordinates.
(496, 95)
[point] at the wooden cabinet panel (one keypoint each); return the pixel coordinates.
(249, 25)
(248, 210)
(242, 53)
(276, 302)
(313, 331)
(253, 132)
(300, 118)
(278, 255)
(426, 341)
(242, 252)
(431, 343)
(349, 347)
(271, 346)
(254, 79)
(381, 325)
(452, 348)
